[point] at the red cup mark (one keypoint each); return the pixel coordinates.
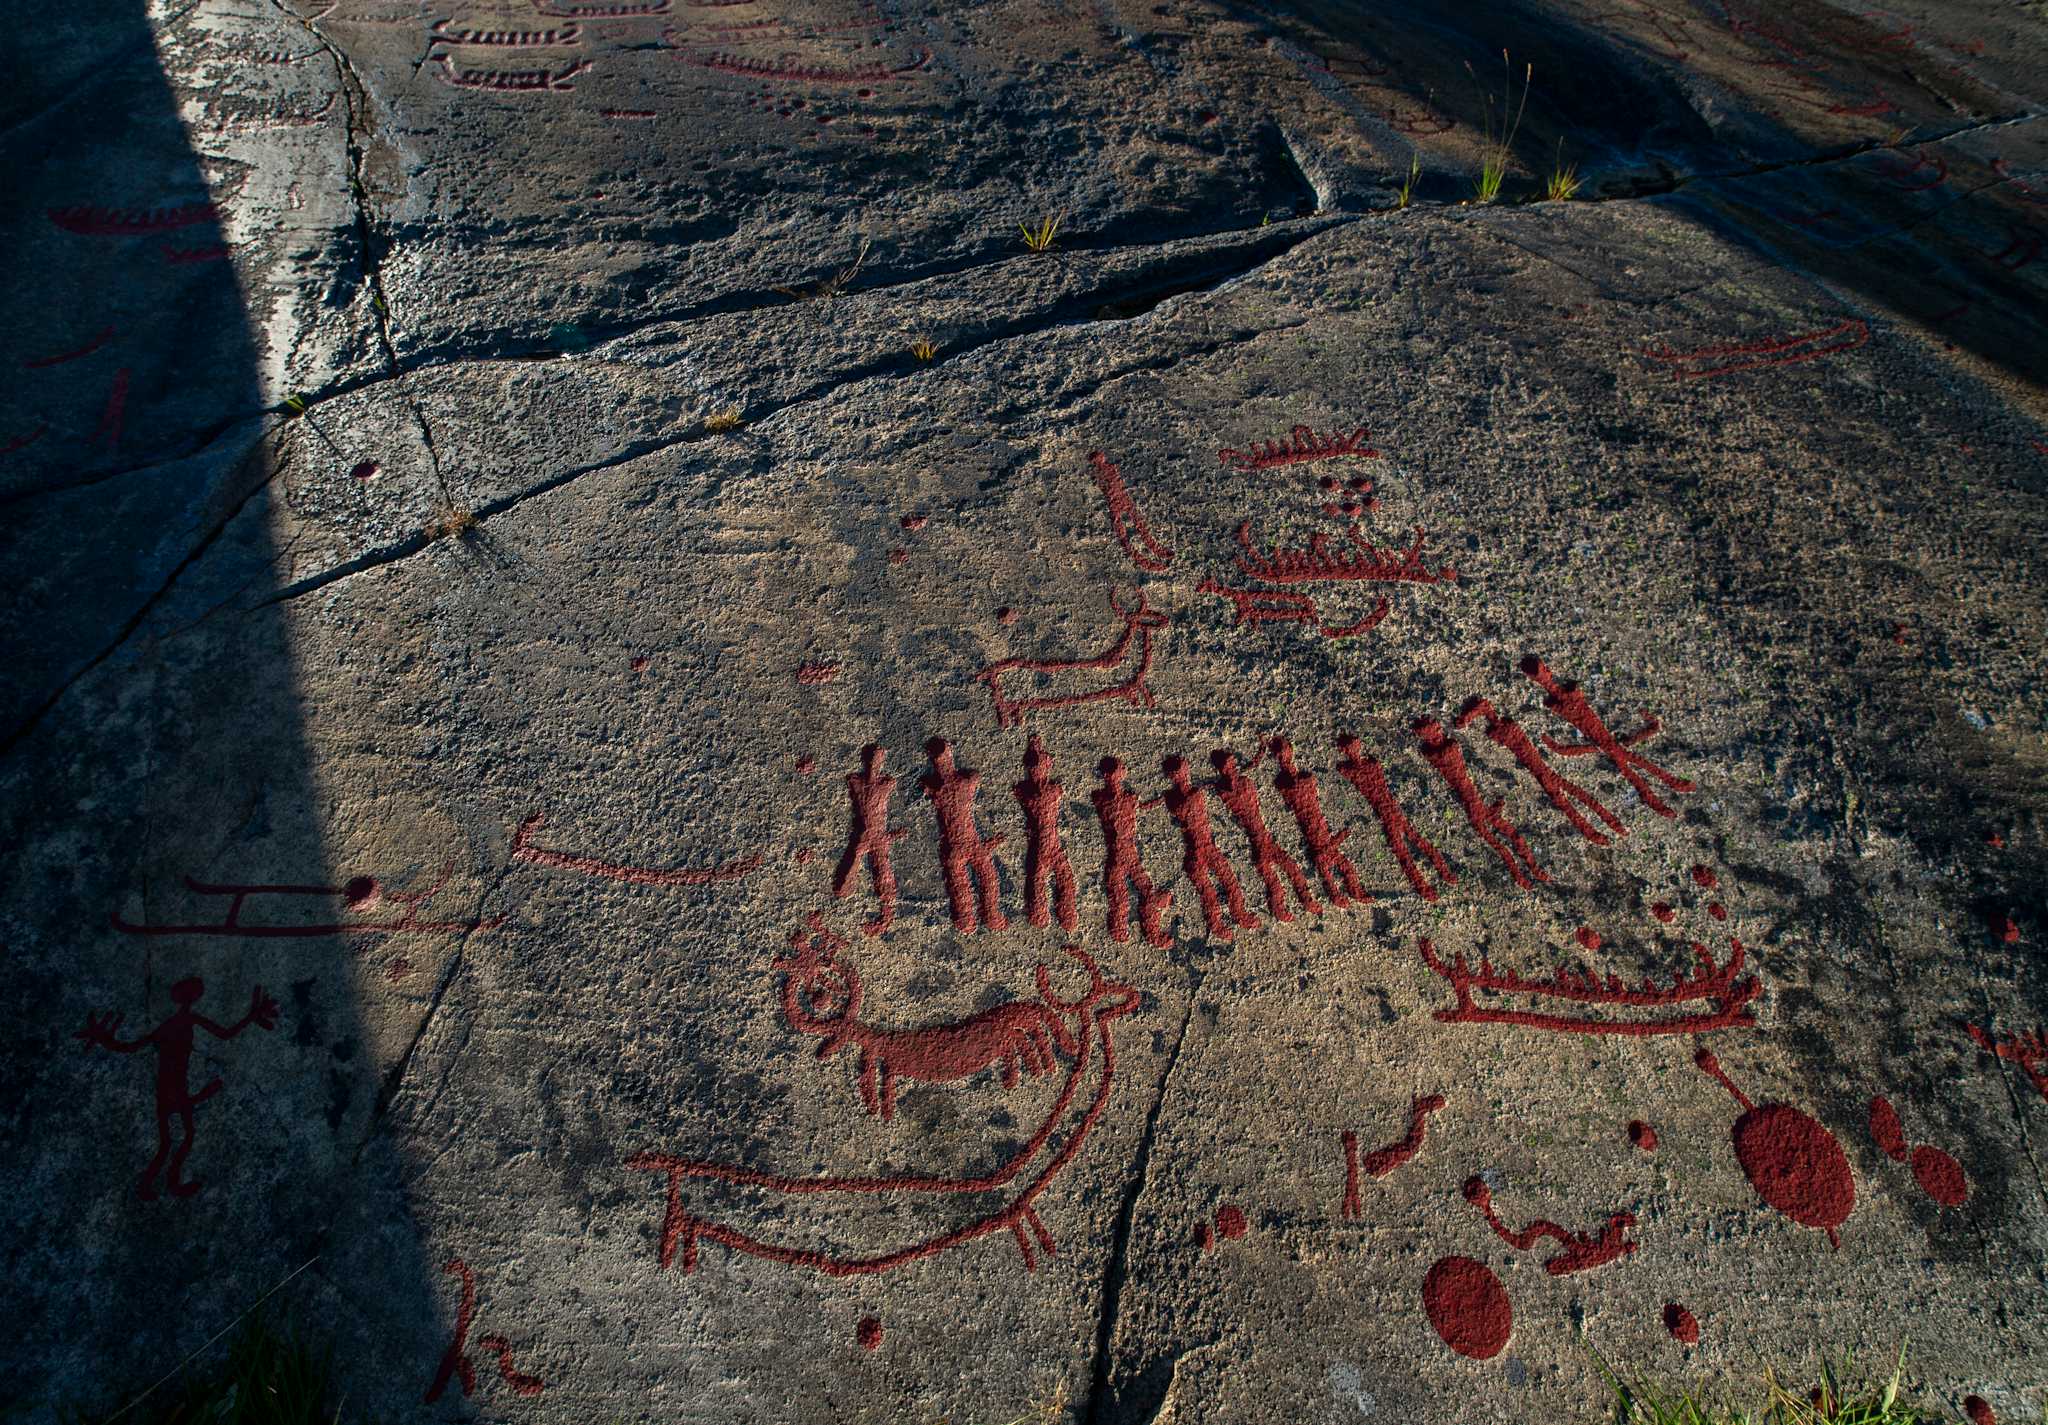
(868, 1333)
(1682, 1324)
(1643, 1136)
(1468, 1307)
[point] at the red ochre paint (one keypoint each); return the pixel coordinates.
(870, 836)
(1979, 1410)
(2002, 926)
(1006, 616)
(1123, 871)
(806, 764)
(1704, 878)
(1240, 796)
(1045, 858)
(1230, 1223)
(524, 1385)
(1508, 734)
(899, 556)
(868, 1333)
(365, 470)
(455, 1360)
(915, 521)
(965, 856)
(1940, 1176)
(1589, 937)
(802, 855)
(1381, 1161)
(1886, 1130)
(1663, 912)
(1718, 911)
(1793, 1162)
(1468, 1307)
(1364, 772)
(1682, 1324)
(1488, 820)
(639, 663)
(1643, 1136)
(1202, 861)
(1133, 535)
(812, 674)
(1140, 623)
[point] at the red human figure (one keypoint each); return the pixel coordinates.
(1365, 773)
(1240, 795)
(963, 853)
(1298, 789)
(1490, 821)
(455, 1360)
(1118, 807)
(1569, 703)
(172, 1041)
(1504, 731)
(1188, 805)
(870, 790)
(1044, 857)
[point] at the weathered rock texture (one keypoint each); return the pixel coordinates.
(475, 483)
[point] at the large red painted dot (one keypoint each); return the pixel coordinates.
(1940, 1176)
(868, 1333)
(1796, 1166)
(1468, 1306)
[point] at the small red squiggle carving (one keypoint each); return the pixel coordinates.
(2028, 1050)
(1188, 805)
(1729, 357)
(1044, 857)
(1092, 1015)
(1503, 731)
(822, 997)
(1425, 120)
(964, 854)
(528, 1386)
(130, 222)
(455, 1360)
(869, 790)
(1490, 822)
(1582, 1250)
(1569, 703)
(1304, 447)
(1298, 790)
(105, 335)
(524, 850)
(1383, 1160)
(1140, 624)
(1364, 772)
(1117, 808)
(813, 674)
(1240, 796)
(1133, 535)
(1716, 984)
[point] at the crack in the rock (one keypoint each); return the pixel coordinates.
(1071, 311)
(1120, 1245)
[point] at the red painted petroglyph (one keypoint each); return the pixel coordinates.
(915, 522)
(1979, 1410)
(2004, 929)
(1926, 170)
(106, 334)
(1717, 910)
(114, 415)
(524, 1385)
(869, 790)
(964, 854)
(1352, 1208)
(455, 1360)
(1045, 859)
(1303, 447)
(361, 893)
(813, 674)
(1424, 120)
(1504, 732)
(601, 9)
(1663, 912)
(1582, 1250)
(1569, 703)
(18, 442)
(1682, 1324)
(805, 765)
(1490, 822)
(1726, 358)
(1123, 870)
(511, 81)
(807, 73)
(1140, 624)
(1468, 1307)
(1133, 535)
(1257, 606)
(1886, 1131)
(364, 470)
(628, 113)
(899, 556)
(524, 850)
(1588, 937)
(1230, 1223)
(1643, 1136)
(1940, 1176)
(1383, 1160)
(172, 1041)
(1240, 796)
(1318, 564)
(1087, 1025)
(1201, 861)
(868, 1334)
(1715, 985)
(131, 222)
(1794, 1163)
(1298, 789)
(2028, 1050)
(567, 37)
(1364, 772)
(397, 970)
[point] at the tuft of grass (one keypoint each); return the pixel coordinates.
(923, 349)
(1500, 149)
(1040, 238)
(452, 525)
(831, 286)
(1563, 182)
(269, 1374)
(1406, 192)
(719, 422)
(295, 404)
(1840, 1397)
